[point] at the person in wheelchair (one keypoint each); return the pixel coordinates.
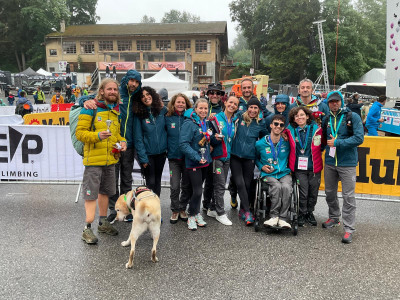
(272, 155)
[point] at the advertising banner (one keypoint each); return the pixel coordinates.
(37, 108)
(61, 107)
(378, 170)
(38, 153)
(50, 118)
(168, 65)
(119, 66)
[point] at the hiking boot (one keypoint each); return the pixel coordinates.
(111, 217)
(347, 238)
(183, 215)
(212, 213)
(107, 228)
(224, 220)
(331, 223)
(192, 225)
(249, 219)
(174, 218)
(200, 221)
(88, 236)
(241, 214)
(271, 222)
(284, 224)
(234, 203)
(311, 219)
(301, 220)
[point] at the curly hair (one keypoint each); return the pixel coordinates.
(295, 111)
(103, 85)
(171, 104)
(141, 110)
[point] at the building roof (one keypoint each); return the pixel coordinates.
(145, 29)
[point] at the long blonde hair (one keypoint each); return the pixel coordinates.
(102, 86)
(247, 119)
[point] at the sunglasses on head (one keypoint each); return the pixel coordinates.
(215, 93)
(276, 124)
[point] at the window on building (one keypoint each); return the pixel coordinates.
(203, 46)
(201, 68)
(182, 44)
(143, 45)
(69, 47)
(163, 44)
(53, 52)
(87, 47)
(124, 45)
(106, 46)
(51, 69)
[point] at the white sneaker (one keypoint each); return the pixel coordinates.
(284, 224)
(224, 220)
(212, 213)
(271, 222)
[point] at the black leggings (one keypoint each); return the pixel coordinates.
(153, 172)
(196, 179)
(242, 172)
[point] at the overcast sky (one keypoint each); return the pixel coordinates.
(128, 11)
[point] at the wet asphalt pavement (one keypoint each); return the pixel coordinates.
(43, 256)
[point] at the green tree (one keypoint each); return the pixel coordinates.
(82, 12)
(175, 16)
(361, 40)
(147, 19)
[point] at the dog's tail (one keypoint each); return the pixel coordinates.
(147, 214)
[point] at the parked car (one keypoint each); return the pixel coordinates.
(32, 87)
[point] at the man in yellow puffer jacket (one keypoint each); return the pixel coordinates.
(100, 156)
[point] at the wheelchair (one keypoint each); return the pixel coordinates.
(262, 205)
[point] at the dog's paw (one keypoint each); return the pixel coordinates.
(125, 243)
(154, 257)
(128, 266)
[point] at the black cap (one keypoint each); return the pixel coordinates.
(334, 96)
(254, 101)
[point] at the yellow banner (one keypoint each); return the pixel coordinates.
(378, 170)
(49, 118)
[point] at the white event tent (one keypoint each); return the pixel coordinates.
(43, 72)
(164, 79)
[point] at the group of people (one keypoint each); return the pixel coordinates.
(204, 141)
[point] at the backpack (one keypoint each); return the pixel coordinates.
(73, 123)
(349, 124)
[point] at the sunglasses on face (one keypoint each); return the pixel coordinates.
(281, 125)
(215, 93)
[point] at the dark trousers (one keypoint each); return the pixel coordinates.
(124, 168)
(242, 174)
(180, 185)
(197, 177)
(153, 172)
(308, 190)
(208, 194)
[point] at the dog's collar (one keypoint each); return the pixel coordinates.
(130, 205)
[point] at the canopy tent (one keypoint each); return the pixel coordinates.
(43, 72)
(30, 73)
(164, 79)
(375, 75)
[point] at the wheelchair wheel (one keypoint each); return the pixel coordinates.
(256, 211)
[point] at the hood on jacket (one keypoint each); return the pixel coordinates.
(336, 94)
(131, 74)
(163, 94)
(282, 98)
(190, 114)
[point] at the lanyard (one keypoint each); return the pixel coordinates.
(303, 146)
(203, 126)
(229, 126)
(335, 132)
(278, 149)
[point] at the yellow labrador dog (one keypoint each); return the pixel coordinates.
(146, 216)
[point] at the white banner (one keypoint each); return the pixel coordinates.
(38, 153)
(42, 153)
(37, 108)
